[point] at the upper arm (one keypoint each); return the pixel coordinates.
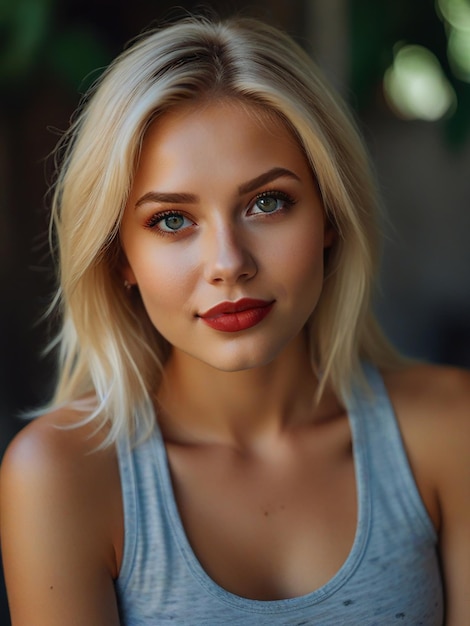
(453, 487)
(433, 407)
(55, 540)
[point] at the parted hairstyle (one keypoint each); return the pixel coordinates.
(109, 351)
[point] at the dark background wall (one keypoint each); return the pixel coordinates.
(50, 51)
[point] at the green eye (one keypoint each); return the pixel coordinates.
(169, 222)
(271, 202)
(268, 204)
(173, 222)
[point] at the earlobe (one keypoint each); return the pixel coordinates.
(127, 275)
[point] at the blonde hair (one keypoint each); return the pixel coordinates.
(109, 349)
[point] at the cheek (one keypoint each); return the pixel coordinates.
(307, 272)
(301, 254)
(164, 295)
(160, 289)
(162, 273)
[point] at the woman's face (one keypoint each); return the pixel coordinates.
(224, 234)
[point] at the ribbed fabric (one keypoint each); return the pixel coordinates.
(391, 575)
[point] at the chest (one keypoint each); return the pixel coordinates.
(306, 518)
(272, 528)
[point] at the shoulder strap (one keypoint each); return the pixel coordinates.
(391, 478)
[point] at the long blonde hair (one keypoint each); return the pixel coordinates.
(109, 350)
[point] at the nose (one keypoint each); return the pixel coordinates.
(228, 258)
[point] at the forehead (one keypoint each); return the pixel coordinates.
(232, 106)
(219, 130)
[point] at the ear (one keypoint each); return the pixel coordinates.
(128, 275)
(329, 235)
(125, 269)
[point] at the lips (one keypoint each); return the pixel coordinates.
(236, 316)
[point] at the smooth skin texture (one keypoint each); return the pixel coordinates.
(236, 409)
(247, 202)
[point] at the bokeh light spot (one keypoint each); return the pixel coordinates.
(456, 13)
(459, 53)
(415, 85)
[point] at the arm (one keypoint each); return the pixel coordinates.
(453, 488)
(57, 529)
(433, 407)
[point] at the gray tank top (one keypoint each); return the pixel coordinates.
(391, 575)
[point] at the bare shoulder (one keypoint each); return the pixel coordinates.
(61, 522)
(426, 384)
(433, 399)
(56, 450)
(59, 458)
(59, 429)
(432, 405)
(65, 427)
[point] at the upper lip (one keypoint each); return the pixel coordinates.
(235, 307)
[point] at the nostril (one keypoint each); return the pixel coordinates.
(231, 261)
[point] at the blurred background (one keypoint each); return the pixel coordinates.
(404, 68)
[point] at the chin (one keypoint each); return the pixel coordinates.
(242, 362)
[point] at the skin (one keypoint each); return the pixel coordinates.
(228, 248)
(236, 409)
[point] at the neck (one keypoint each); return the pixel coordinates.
(199, 404)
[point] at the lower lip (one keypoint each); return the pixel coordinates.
(234, 322)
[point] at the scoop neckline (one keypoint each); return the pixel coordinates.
(339, 579)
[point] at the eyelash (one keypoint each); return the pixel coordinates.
(153, 221)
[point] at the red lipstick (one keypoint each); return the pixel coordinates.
(231, 317)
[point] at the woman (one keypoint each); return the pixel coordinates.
(222, 446)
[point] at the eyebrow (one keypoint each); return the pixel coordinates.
(267, 177)
(168, 198)
(190, 198)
